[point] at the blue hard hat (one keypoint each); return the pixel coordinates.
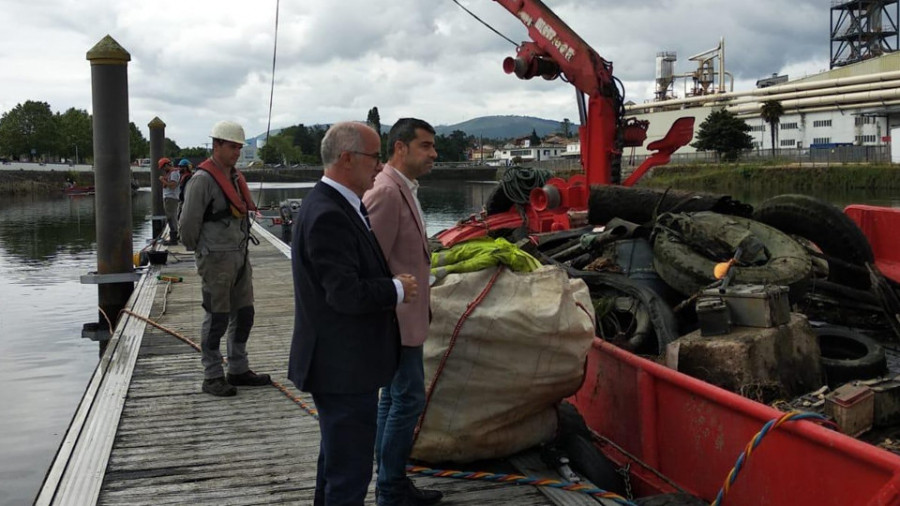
(184, 162)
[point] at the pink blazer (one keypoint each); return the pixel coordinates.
(402, 237)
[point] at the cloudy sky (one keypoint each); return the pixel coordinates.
(194, 62)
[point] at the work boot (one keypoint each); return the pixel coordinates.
(421, 496)
(218, 387)
(248, 379)
(414, 496)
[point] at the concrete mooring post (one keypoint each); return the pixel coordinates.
(157, 147)
(112, 176)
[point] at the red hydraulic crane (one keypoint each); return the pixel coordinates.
(555, 50)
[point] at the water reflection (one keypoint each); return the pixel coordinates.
(444, 202)
(46, 244)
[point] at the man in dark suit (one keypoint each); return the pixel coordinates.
(346, 341)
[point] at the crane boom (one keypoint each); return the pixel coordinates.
(556, 49)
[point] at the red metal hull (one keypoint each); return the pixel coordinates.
(881, 226)
(692, 432)
(79, 190)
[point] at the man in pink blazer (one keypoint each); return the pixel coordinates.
(399, 225)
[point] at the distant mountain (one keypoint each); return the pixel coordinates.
(504, 127)
(492, 127)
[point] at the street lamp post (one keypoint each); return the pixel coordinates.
(76, 154)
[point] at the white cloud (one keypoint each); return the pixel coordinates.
(194, 62)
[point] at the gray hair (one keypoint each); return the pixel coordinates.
(340, 137)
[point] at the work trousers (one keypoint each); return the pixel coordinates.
(227, 291)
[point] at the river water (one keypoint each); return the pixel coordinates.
(47, 243)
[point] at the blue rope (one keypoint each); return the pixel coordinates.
(755, 441)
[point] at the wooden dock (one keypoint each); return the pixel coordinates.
(145, 434)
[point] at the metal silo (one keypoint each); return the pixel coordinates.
(665, 73)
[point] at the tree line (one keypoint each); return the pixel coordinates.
(299, 144)
(31, 131)
(721, 132)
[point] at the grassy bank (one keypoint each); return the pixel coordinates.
(729, 177)
(721, 177)
(39, 183)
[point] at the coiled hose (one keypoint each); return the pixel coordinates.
(517, 182)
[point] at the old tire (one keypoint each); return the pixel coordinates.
(649, 304)
(688, 271)
(848, 355)
(827, 227)
(670, 500)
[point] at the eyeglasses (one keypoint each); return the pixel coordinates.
(374, 156)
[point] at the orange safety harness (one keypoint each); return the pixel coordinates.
(239, 203)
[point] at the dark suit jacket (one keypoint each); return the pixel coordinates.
(346, 338)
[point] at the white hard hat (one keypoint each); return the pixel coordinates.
(228, 131)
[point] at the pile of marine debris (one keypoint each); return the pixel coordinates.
(726, 292)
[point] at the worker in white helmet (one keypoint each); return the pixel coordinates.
(215, 224)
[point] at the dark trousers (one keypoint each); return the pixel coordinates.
(347, 425)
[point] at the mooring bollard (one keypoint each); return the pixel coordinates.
(112, 178)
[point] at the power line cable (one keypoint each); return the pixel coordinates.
(271, 89)
(484, 23)
(274, 55)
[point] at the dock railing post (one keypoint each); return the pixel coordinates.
(112, 177)
(157, 147)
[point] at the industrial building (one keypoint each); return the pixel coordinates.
(856, 102)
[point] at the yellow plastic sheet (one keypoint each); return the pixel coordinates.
(481, 253)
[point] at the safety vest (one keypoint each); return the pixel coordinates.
(239, 204)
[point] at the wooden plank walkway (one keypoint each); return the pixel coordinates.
(171, 444)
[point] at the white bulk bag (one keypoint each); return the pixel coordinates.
(494, 376)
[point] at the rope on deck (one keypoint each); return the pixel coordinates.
(757, 439)
(519, 479)
(310, 409)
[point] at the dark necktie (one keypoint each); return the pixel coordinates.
(365, 214)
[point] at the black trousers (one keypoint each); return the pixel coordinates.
(347, 424)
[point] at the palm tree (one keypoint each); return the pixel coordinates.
(771, 112)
